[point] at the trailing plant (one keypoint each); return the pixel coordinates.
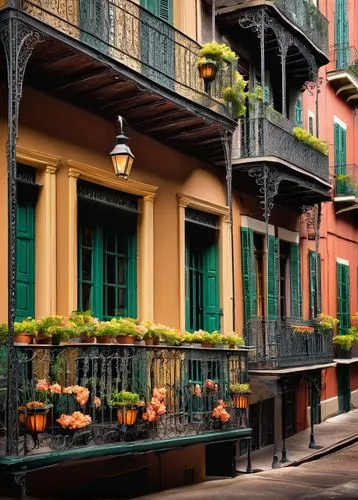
(124, 398)
(303, 136)
(240, 388)
(236, 96)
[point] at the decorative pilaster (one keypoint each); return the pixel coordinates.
(226, 287)
(183, 203)
(73, 176)
(146, 260)
(18, 40)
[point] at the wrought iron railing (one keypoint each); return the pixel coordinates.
(345, 180)
(277, 344)
(343, 57)
(258, 137)
(308, 18)
(346, 354)
(194, 380)
(130, 34)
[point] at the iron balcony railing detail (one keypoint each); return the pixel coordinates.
(83, 378)
(343, 57)
(308, 18)
(345, 181)
(260, 137)
(130, 34)
(277, 344)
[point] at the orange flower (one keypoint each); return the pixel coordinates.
(220, 413)
(55, 389)
(35, 404)
(197, 390)
(42, 385)
(75, 421)
(97, 402)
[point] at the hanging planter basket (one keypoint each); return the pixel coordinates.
(34, 420)
(127, 415)
(241, 400)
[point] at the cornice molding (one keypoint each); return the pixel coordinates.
(38, 159)
(187, 200)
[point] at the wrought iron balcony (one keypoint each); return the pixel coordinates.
(279, 345)
(272, 139)
(342, 72)
(304, 16)
(194, 380)
(345, 183)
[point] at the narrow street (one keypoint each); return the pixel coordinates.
(333, 476)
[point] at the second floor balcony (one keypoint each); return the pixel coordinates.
(270, 140)
(342, 72)
(345, 186)
(287, 343)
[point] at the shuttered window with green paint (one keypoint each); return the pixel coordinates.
(248, 273)
(340, 158)
(295, 281)
(25, 259)
(298, 112)
(107, 263)
(272, 278)
(341, 34)
(202, 303)
(161, 8)
(315, 284)
(343, 298)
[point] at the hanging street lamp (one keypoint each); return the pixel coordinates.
(121, 155)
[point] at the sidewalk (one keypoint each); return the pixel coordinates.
(329, 434)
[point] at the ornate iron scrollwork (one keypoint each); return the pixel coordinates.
(268, 180)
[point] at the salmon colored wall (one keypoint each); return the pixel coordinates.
(353, 371)
(52, 126)
(328, 383)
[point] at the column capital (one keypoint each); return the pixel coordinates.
(73, 172)
(149, 198)
(50, 169)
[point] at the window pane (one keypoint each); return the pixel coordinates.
(121, 298)
(109, 301)
(121, 271)
(111, 242)
(87, 237)
(86, 297)
(110, 270)
(86, 264)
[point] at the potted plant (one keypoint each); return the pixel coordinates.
(25, 331)
(212, 56)
(343, 345)
(233, 341)
(152, 337)
(240, 394)
(220, 413)
(302, 329)
(126, 330)
(326, 322)
(86, 325)
(106, 332)
(87, 333)
(197, 338)
(45, 328)
(170, 337)
(212, 339)
(127, 406)
(63, 332)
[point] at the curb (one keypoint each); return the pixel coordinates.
(324, 451)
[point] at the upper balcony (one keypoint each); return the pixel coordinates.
(279, 344)
(342, 73)
(114, 57)
(345, 187)
(270, 140)
(301, 17)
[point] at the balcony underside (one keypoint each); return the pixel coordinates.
(183, 118)
(345, 86)
(345, 204)
(296, 187)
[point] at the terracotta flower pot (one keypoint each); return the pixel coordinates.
(23, 338)
(206, 344)
(149, 341)
(125, 339)
(155, 340)
(241, 401)
(88, 339)
(105, 339)
(232, 346)
(127, 415)
(42, 339)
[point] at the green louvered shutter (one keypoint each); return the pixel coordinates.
(25, 260)
(298, 112)
(161, 8)
(340, 157)
(315, 283)
(248, 273)
(343, 297)
(295, 281)
(212, 311)
(341, 34)
(272, 278)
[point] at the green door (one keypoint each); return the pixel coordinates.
(340, 159)
(202, 305)
(272, 278)
(343, 298)
(25, 260)
(107, 263)
(248, 273)
(295, 281)
(341, 34)
(344, 389)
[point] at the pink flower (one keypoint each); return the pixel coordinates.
(42, 385)
(197, 390)
(55, 389)
(97, 402)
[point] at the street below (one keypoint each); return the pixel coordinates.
(332, 476)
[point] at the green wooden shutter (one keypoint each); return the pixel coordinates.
(341, 34)
(340, 149)
(295, 281)
(272, 277)
(160, 8)
(132, 274)
(343, 298)
(298, 112)
(25, 260)
(315, 283)
(248, 273)
(188, 325)
(212, 310)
